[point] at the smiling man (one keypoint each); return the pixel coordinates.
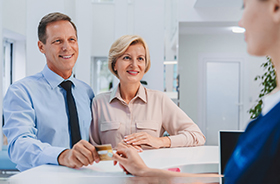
(47, 115)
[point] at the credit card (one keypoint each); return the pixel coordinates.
(103, 150)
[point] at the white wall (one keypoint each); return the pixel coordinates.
(14, 18)
(103, 33)
(192, 46)
(84, 26)
(19, 60)
(1, 63)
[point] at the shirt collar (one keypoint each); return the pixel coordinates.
(54, 79)
(140, 94)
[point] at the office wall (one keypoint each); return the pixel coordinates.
(1, 50)
(192, 46)
(83, 22)
(14, 18)
(103, 32)
(19, 60)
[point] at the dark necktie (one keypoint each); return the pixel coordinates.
(73, 115)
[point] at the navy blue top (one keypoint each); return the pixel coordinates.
(256, 158)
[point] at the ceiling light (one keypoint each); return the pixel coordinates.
(170, 62)
(238, 29)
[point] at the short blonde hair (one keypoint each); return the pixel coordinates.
(119, 47)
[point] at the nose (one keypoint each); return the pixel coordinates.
(65, 46)
(240, 23)
(134, 62)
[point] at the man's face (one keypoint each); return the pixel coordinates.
(61, 47)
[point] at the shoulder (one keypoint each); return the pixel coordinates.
(28, 82)
(84, 87)
(105, 96)
(155, 94)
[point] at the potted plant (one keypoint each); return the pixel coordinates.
(268, 82)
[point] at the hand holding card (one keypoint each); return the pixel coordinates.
(103, 150)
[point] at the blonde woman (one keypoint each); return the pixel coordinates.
(136, 115)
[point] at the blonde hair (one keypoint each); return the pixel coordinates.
(119, 47)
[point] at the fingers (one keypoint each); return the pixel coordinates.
(116, 157)
(138, 148)
(137, 139)
(129, 139)
(68, 158)
(86, 152)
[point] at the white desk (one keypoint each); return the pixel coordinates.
(192, 159)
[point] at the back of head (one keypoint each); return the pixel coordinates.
(119, 47)
(49, 18)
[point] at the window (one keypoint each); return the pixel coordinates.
(7, 75)
(102, 78)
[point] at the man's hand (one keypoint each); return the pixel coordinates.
(82, 154)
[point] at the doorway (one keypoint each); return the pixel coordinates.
(221, 96)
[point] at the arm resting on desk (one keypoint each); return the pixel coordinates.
(131, 162)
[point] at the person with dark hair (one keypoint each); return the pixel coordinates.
(256, 158)
(47, 115)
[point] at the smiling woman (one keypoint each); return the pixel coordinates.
(133, 114)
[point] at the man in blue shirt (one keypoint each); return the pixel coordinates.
(35, 109)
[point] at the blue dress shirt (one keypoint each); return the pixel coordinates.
(36, 120)
(256, 158)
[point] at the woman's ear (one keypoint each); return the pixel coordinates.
(276, 10)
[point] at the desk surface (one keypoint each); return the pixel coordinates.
(188, 159)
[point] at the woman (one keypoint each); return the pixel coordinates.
(136, 115)
(256, 158)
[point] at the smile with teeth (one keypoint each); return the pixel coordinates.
(132, 72)
(66, 57)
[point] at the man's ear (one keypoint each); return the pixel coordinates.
(41, 47)
(276, 10)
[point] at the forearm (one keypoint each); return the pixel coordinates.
(29, 152)
(186, 138)
(165, 142)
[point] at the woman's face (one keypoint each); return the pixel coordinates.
(261, 31)
(131, 65)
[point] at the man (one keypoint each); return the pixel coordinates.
(37, 109)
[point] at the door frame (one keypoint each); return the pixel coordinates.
(223, 58)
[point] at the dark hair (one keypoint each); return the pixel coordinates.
(51, 17)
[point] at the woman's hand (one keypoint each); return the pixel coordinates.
(121, 144)
(129, 160)
(143, 138)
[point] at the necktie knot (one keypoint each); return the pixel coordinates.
(66, 85)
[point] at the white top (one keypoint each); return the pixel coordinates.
(269, 101)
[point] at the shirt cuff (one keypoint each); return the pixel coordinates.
(50, 154)
(178, 140)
